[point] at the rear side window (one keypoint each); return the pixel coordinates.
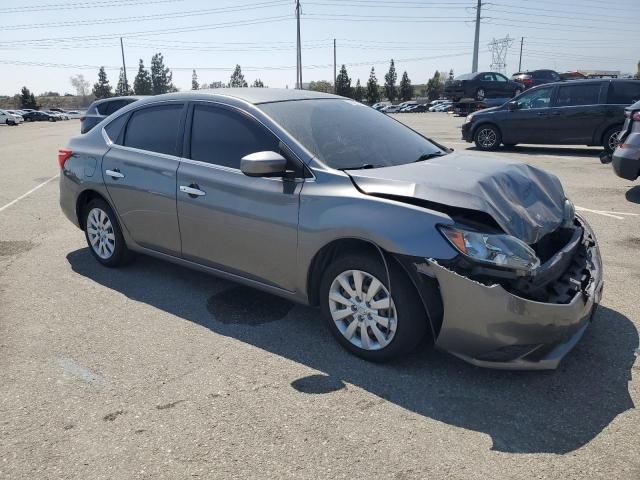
(222, 137)
(114, 128)
(624, 93)
(575, 95)
(154, 129)
(112, 106)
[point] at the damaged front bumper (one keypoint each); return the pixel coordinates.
(488, 326)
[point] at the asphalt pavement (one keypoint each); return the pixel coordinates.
(155, 371)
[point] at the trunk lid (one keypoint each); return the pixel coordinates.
(525, 202)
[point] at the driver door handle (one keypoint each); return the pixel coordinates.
(115, 173)
(192, 190)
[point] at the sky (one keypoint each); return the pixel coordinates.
(44, 42)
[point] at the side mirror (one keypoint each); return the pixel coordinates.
(512, 105)
(263, 164)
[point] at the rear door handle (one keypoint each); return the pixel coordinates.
(114, 173)
(542, 114)
(192, 190)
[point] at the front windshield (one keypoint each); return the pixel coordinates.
(345, 134)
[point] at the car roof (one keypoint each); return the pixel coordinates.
(253, 96)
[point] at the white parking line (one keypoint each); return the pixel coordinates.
(615, 215)
(28, 193)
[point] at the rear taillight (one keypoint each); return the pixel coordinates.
(63, 155)
(527, 82)
(82, 119)
(636, 116)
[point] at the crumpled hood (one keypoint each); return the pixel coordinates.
(525, 201)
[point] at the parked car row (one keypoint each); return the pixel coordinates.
(16, 117)
(580, 112)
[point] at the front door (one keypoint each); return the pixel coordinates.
(243, 225)
(140, 175)
(529, 121)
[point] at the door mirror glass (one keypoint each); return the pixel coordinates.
(512, 105)
(263, 164)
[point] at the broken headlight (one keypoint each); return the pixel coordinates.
(498, 250)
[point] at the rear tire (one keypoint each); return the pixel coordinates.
(103, 234)
(354, 316)
(487, 137)
(610, 139)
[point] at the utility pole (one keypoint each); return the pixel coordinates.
(520, 63)
(299, 59)
(476, 43)
(124, 68)
(334, 66)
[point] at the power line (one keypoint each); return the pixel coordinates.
(79, 5)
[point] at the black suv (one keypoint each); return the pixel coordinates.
(481, 85)
(536, 77)
(101, 109)
(580, 112)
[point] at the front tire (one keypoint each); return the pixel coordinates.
(104, 235)
(487, 137)
(480, 94)
(363, 317)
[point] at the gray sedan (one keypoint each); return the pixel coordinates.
(316, 198)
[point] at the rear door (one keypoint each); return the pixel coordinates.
(529, 122)
(239, 224)
(577, 112)
(487, 82)
(503, 86)
(139, 171)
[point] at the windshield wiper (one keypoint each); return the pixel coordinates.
(361, 167)
(429, 156)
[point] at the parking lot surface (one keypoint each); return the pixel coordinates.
(156, 371)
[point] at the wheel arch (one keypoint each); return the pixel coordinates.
(83, 200)
(607, 129)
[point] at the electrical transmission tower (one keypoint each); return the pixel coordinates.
(499, 49)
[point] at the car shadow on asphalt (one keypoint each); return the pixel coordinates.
(553, 151)
(523, 412)
(633, 194)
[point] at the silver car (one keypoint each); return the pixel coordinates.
(316, 198)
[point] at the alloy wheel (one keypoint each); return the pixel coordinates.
(362, 309)
(487, 138)
(480, 94)
(100, 232)
(613, 141)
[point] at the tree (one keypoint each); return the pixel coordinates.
(102, 89)
(80, 84)
(217, 84)
(161, 76)
(123, 85)
(237, 78)
(194, 81)
(50, 94)
(638, 72)
(343, 83)
(257, 83)
(451, 73)
(321, 86)
(27, 99)
(358, 92)
(142, 82)
(406, 89)
(435, 87)
(390, 82)
(373, 89)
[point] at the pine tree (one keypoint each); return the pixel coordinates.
(123, 85)
(194, 81)
(27, 99)
(102, 88)
(451, 73)
(373, 89)
(237, 78)
(343, 83)
(257, 83)
(638, 72)
(406, 89)
(358, 92)
(321, 86)
(161, 76)
(142, 82)
(390, 82)
(435, 87)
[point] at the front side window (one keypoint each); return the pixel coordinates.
(344, 134)
(487, 77)
(222, 137)
(575, 95)
(540, 98)
(154, 129)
